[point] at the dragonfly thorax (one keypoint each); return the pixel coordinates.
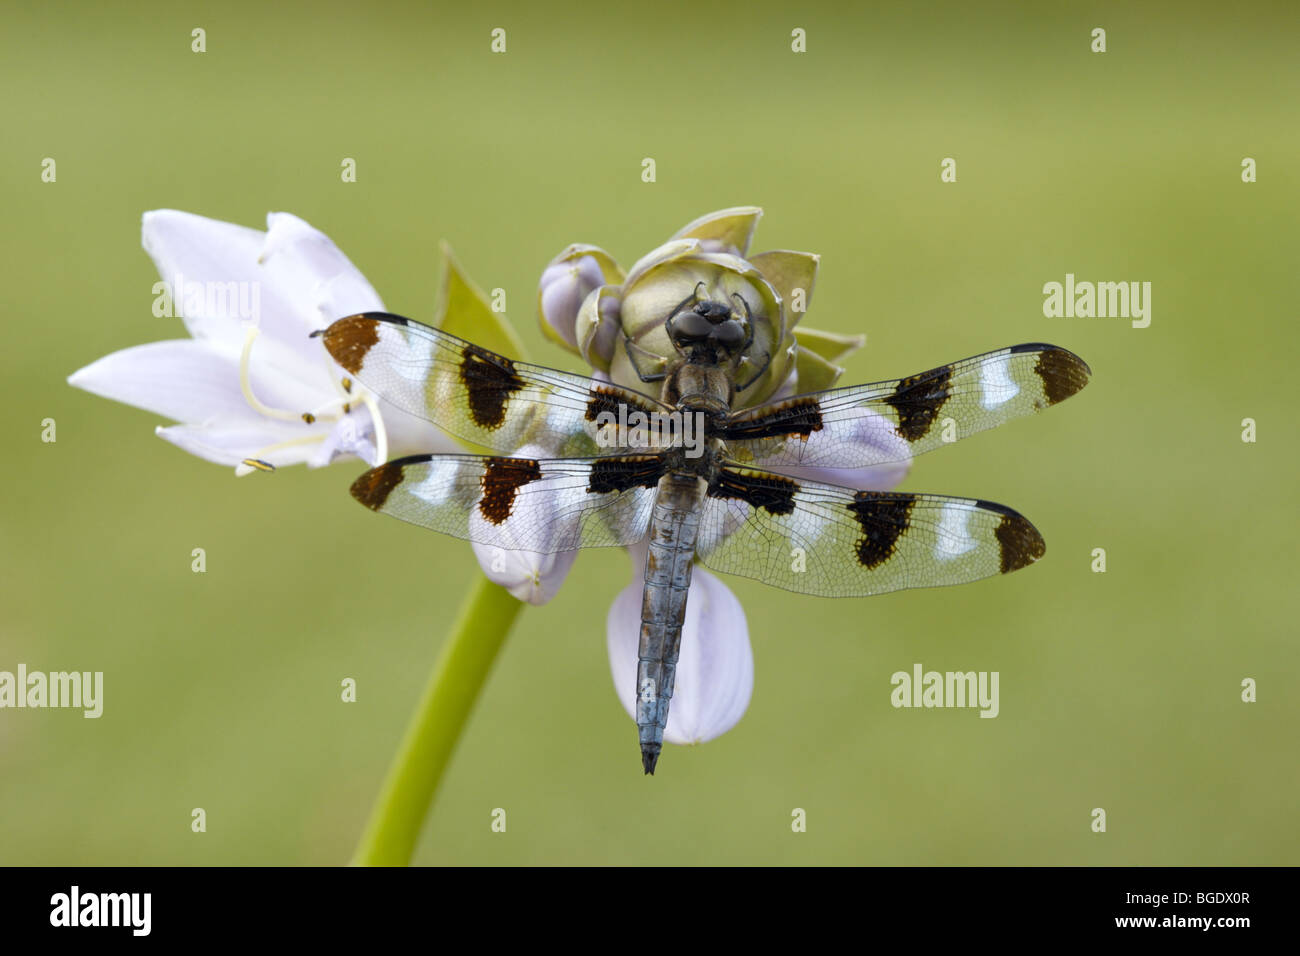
(706, 387)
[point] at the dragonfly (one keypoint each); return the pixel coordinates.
(577, 462)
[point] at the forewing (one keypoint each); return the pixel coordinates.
(478, 395)
(833, 542)
(865, 425)
(519, 504)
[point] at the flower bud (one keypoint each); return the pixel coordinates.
(663, 285)
(565, 285)
(599, 326)
(617, 323)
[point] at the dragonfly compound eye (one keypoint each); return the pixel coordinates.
(731, 334)
(690, 326)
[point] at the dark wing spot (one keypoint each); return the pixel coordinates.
(621, 472)
(489, 380)
(1019, 541)
(373, 488)
(348, 340)
(502, 479)
(1063, 373)
(884, 518)
(775, 493)
(797, 417)
(602, 401)
(918, 400)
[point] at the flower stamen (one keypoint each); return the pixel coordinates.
(246, 386)
(250, 465)
(344, 404)
(257, 460)
(381, 433)
(331, 411)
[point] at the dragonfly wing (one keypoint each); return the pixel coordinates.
(835, 542)
(477, 395)
(519, 504)
(865, 425)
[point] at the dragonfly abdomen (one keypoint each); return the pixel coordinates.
(674, 528)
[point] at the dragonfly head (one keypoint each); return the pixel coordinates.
(711, 330)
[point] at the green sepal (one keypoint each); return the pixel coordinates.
(463, 309)
(832, 346)
(815, 372)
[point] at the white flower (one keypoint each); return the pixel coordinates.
(251, 387)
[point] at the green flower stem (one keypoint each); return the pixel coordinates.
(461, 671)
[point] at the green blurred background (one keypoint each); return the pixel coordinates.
(1118, 690)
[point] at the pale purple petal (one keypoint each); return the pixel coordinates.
(251, 300)
(715, 670)
(230, 445)
(198, 257)
(877, 478)
(288, 281)
(351, 436)
(409, 435)
(188, 381)
(305, 266)
(534, 578)
(598, 326)
(869, 437)
(563, 286)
